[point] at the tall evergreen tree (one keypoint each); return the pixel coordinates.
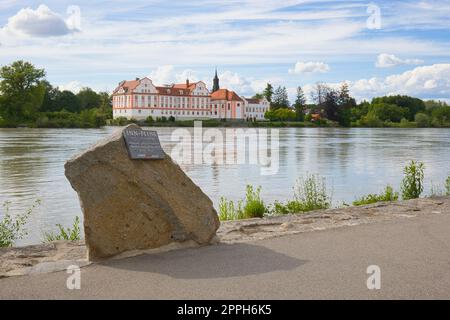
(280, 98)
(299, 105)
(268, 92)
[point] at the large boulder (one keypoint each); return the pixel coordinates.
(136, 204)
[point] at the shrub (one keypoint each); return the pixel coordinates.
(371, 120)
(412, 184)
(388, 195)
(422, 120)
(69, 234)
(311, 192)
(172, 119)
(254, 206)
(13, 228)
(407, 124)
(228, 211)
(149, 120)
(120, 121)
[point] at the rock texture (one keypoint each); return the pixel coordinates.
(46, 257)
(136, 204)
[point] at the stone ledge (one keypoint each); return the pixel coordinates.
(57, 256)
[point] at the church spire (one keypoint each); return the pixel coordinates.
(216, 85)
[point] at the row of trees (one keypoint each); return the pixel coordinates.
(26, 97)
(338, 106)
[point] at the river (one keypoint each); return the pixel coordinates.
(354, 162)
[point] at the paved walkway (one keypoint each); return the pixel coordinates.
(413, 254)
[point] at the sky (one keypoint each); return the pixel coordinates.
(378, 48)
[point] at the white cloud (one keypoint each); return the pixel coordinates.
(426, 81)
(167, 75)
(163, 75)
(310, 67)
(385, 60)
(73, 86)
(41, 22)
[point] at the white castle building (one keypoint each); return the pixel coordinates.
(138, 99)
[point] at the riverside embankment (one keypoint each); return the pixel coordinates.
(57, 256)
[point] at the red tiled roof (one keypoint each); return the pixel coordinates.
(184, 86)
(225, 94)
(128, 85)
(173, 91)
(252, 101)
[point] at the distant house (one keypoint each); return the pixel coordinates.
(315, 117)
(256, 108)
(226, 104)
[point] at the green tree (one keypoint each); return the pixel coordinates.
(50, 94)
(106, 104)
(268, 92)
(258, 96)
(21, 89)
(422, 120)
(413, 105)
(67, 100)
(388, 112)
(440, 116)
(370, 120)
(331, 105)
(300, 104)
(88, 98)
(280, 98)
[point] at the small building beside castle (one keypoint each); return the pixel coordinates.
(140, 98)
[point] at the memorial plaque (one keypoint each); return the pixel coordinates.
(143, 144)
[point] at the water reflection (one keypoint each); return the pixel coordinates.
(354, 161)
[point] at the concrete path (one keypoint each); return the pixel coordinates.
(413, 254)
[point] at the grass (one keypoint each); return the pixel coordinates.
(252, 207)
(412, 183)
(387, 195)
(69, 234)
(12, 228)
(310, 193)
(228, 211)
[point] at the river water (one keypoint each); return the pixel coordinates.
(354, 162)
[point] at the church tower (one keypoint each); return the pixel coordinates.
(216, 85)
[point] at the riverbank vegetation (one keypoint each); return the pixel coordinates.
(12, 227)
(70, 233)
(388, 195)
(311, 193)
(28, 99)
(336, 107)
